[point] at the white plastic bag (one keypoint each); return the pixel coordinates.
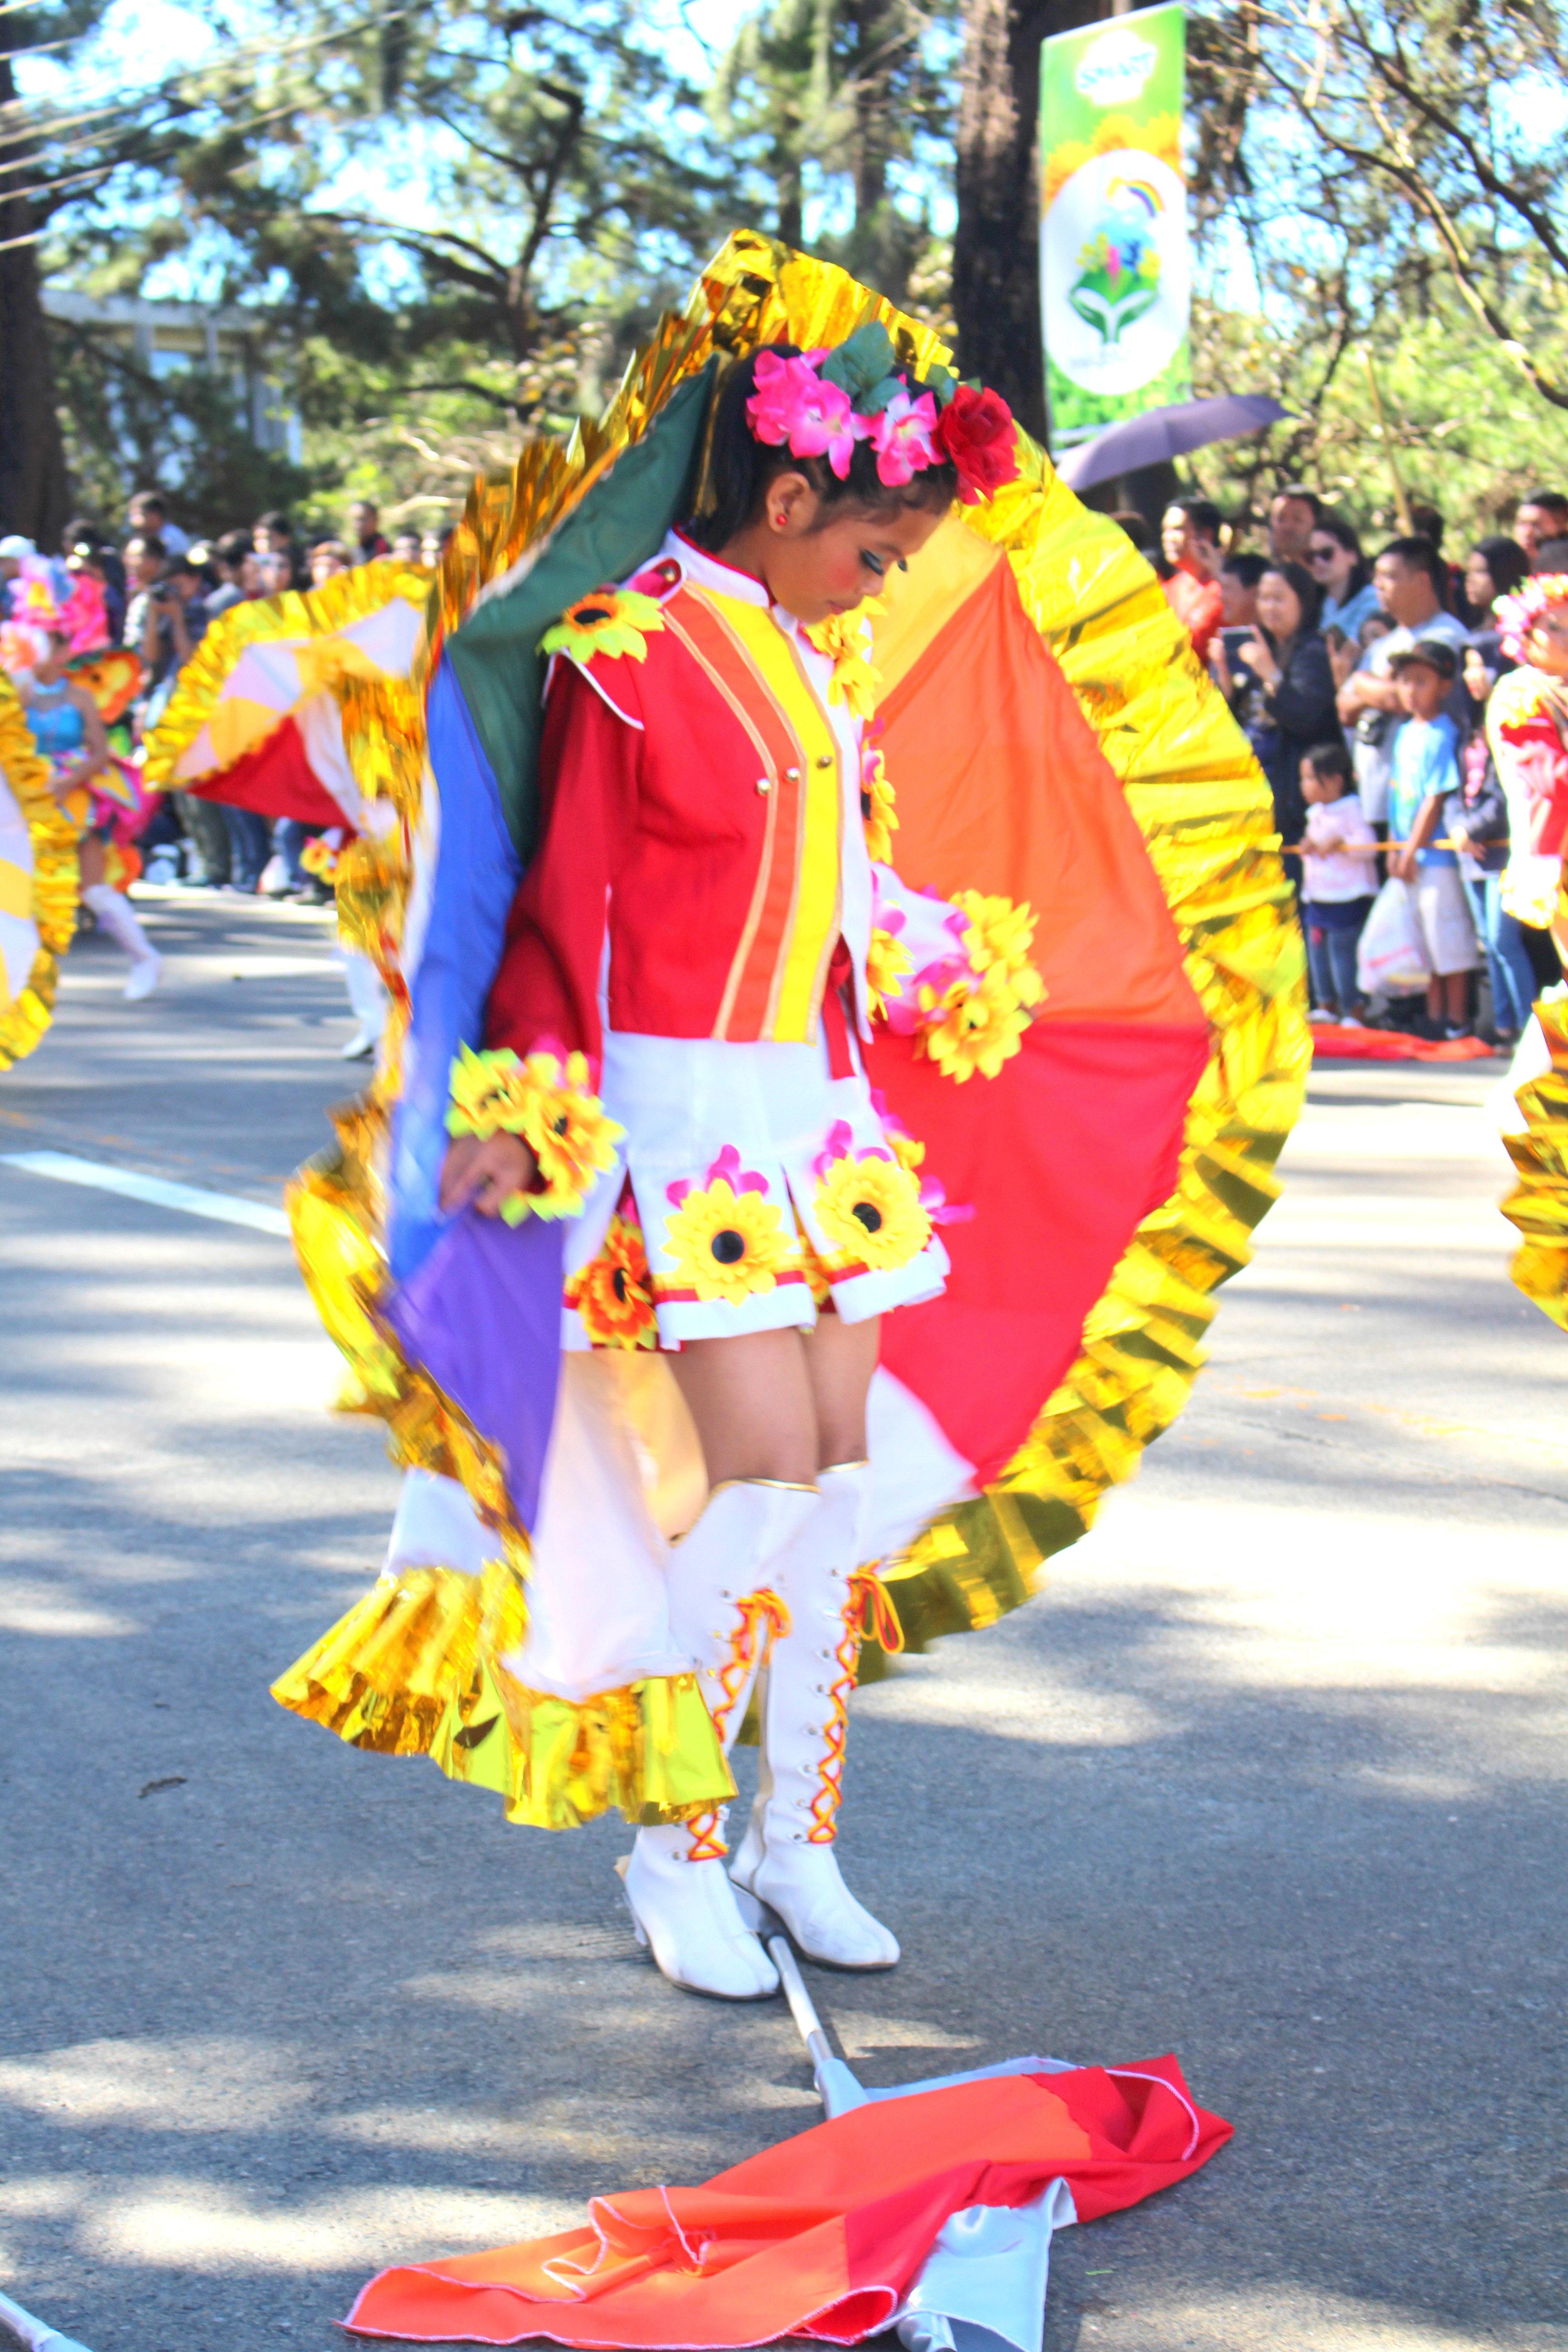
(1390, 958)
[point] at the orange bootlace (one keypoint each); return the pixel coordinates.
(754, 1610)
(867, 1610)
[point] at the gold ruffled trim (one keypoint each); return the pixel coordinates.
(1539, 1203)
(56, 880)
(414, 1670)
(300, 613)
(1205, 813)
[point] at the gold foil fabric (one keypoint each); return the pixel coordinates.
(53, 885)
(1538, 1204)
(416, 1669)
(300, 615)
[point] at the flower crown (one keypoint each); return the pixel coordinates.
(821, 401)
(80, 616)
(1516, 615)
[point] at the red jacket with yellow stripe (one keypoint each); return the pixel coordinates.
(702, 852)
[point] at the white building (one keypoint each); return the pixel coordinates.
(173, 337)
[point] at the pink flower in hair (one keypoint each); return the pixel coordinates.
(1517, 615)
(902, 438)
(792, 404)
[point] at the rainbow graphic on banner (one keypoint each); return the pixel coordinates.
(1119, 269)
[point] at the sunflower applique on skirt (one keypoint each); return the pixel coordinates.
(752, 1189)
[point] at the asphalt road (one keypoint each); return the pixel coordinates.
(1270, 1777)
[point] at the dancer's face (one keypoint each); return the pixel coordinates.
(816, 568)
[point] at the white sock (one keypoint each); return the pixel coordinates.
(117, 916)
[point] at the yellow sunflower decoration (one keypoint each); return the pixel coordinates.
(610, 621)
(870, 1208)
(877, 807)
(726, 1241)
(967, 1029)
(613, 1292)
(845, 639)
(548, 1101)
(886, 964)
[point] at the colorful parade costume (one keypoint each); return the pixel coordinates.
(264, 718)
(1008, 1054)
(106, 808)
(1527, 731)
(37, 885)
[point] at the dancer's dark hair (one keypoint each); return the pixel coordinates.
(740, 469)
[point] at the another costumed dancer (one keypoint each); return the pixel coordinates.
(1526, 727)
(635, 1218)
(44, 641)
(259, 721)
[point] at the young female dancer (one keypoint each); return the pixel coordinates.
(710, 918)
(67, 728)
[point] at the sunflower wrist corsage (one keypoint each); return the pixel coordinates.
(975, 1021)
(548, 1102)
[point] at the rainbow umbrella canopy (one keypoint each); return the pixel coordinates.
(1050, 737)
(37, 885)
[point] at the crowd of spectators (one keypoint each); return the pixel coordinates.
(161, 590)
(1361, 679)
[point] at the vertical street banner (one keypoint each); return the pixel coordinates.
(1115, 271)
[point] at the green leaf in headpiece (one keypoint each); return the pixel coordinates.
(861, 364)
(942, 382)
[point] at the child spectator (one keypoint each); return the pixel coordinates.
(1477, 814)
(1339, 869)
(1424, 771)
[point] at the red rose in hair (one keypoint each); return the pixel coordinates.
(976, 432)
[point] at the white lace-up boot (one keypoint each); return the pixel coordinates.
(787, 1859)
(723, 1612)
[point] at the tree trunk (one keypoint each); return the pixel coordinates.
(35, 490)
(996, 248)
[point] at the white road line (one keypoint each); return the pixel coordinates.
(223, 1208)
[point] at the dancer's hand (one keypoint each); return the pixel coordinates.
(486, 1173)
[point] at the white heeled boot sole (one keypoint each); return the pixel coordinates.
(803, 1885)
(686, 1913)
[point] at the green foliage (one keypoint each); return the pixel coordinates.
(815, 93)
(125, 427)
(1384, 180)
(1468, 432)
(459, 219)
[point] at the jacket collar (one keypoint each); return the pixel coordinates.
(706, 570)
